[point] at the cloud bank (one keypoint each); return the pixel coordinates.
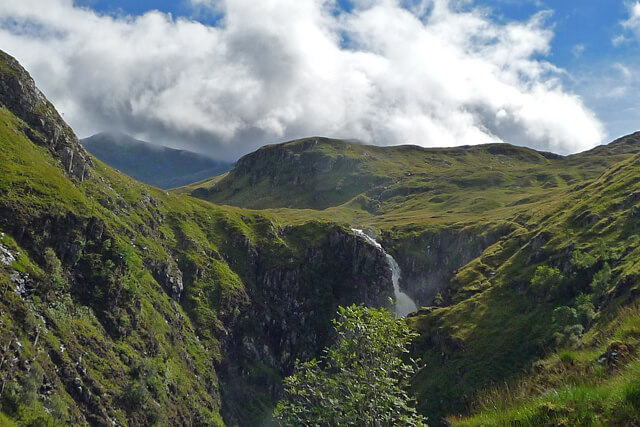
(439, 73)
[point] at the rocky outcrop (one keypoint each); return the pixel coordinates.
(289, 316)
(429, 260)
(6, 256)
(19, 94)
(168, 275)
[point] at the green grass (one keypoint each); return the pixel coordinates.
(110, 320)
(473, 222)
(146, 225)
(539, 207)
(399, 186)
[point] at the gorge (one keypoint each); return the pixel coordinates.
(123, 304)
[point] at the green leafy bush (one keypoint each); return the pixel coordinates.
(547, 280)
(360, 381)
(585, 309)
(582, 260)
(565, 323)
(600, 282)
(53, 267)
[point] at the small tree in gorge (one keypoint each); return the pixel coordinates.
(361, 379)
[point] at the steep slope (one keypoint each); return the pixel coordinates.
(156, 165)
(125, 305)
(499, 316)
(469, 227)
(434, 209)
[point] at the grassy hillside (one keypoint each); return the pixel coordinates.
(588, 371)
(472, 226)
(122, 303)
(400, 184)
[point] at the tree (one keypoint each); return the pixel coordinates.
(585, 309)
(600, 282)
(361, 379)
(547, 280)
(53, 267)
(567, 326)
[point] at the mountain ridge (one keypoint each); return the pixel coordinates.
(152, 164)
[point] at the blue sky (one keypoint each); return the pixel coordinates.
(553, 75)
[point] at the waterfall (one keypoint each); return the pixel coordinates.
(404, 304)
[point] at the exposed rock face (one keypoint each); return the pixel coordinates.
(254, 296)
(169, 276)
(289, 316)
(6, 257)
(429, 260)
(19, 94)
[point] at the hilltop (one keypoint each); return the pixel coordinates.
(395, 182)
(155, 165)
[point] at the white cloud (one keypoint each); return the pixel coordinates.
(633, 23)
(578, 50)
(435, 75)
(623, 70)
(619, 40)
(630, 24)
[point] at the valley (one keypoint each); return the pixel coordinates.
(124, 304)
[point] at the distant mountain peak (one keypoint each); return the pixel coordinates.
(153, 164)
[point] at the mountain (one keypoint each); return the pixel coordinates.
(156, 165)
(319, 173)
(475, 230)
(124, 304)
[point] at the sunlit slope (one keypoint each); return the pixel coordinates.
(497, 323)
(401, 185)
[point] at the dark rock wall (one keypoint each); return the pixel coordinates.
(289, 317)
(429, 260)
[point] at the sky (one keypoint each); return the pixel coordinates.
(223, 77)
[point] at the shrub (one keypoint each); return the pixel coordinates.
(136, 395)
(582, 260)
(53, 267)
(361, 380)
(564, 316)
(600, 282)
(547, 280)
(565, 323)
(585, 309)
